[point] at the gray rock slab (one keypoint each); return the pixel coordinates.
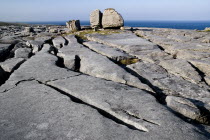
(173, 47)
(59, 42)
(179, 38)
(128, 42)
(110, 52)
(36, 45)
(17, 46)
(202, 65)
(207, 79)
(187, 54)
(31, 110)
(183, 106)
(37, 67)
(168, 83)
(176, 41)
(95, 64)
(11, 64)
(35, 111)
(131, 105)
(10, 39)
(44, 39)
(23, 53)
(152, 56)
(182, 69)
(133, 45)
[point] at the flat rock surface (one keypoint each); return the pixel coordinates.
(35, 111)
(76, 88)
(167, 83)
(110, 52)
(11, 64)
(78, 57)
(181, 68)
(133, 45)
(49, 113)
(59, 42)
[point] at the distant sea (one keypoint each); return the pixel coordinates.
(200, 25)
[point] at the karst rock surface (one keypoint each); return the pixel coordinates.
(143, 85)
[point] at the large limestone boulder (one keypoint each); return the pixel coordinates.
(112, 19)
(96, 18)
(73, 25)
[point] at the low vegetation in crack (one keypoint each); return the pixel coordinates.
(81, 34)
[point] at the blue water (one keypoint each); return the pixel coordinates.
(200, 25)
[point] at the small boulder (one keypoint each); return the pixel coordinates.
(183, 106)
(28, 29)
(73, 25)
(112, 19)
(96, 18)
(54, 30)
(11, 64)
(23, 53)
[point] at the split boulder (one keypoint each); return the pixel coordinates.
(73, 25)
(112, 19)
(96, 18)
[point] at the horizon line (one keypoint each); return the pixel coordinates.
(89, 20)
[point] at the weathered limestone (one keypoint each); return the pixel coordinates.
(133, 45)
(59, 42)
(11, 64)
(44, 39)
(77, 57)
(43, 99)
(35, 111)
(128, 42)
(207, 79)
(42, 111)
(96, 19)
(181, 54)
(112, 19)
(29, 29)
(183, 106)
(23, 53)
(73, 25)
(53, 30)
(168, 84)
(183, 44)
(202, 65)
(36, 45)
(113, 53)
(181, 68)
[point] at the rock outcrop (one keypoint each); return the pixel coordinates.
(112, 19)
(73, 25)
(96, 19)
(114, 85)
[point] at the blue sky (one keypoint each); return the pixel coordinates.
(62, 10)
